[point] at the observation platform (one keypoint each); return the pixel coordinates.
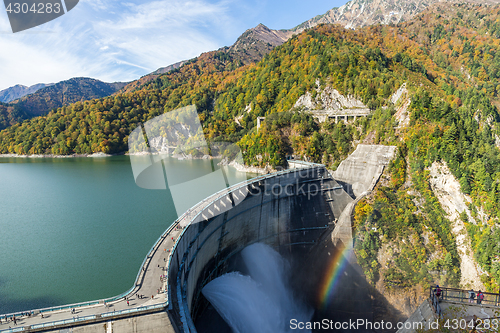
(454, 309)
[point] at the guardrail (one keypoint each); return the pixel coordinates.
(463, 296)
(81, 320)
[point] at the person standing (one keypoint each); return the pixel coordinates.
(480, 297)
(472, 295)
(128, 304)
(437, 292)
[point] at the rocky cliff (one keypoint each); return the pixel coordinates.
(360, 13)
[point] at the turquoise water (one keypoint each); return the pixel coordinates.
(77, 229)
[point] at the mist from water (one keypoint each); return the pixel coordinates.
(261, 302)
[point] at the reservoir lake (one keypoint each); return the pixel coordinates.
(78, 229)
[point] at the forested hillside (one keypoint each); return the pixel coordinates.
(449, 58)
(9, 115)
(64, 93)
(55, 96)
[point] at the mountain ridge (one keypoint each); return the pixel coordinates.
(360, 13)
(15, 92)
(54, 96)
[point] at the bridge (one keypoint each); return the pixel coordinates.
(340, 115)
(292, 210)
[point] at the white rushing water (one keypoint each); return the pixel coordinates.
(261, 302)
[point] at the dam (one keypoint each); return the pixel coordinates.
(303, 213)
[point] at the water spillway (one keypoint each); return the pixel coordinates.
(290, 211)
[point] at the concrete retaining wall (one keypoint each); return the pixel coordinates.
(152, 323)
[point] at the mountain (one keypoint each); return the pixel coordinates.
(10, 115)
(250, 47)
(360, 13)
(254, 43)
(163, 70)
(52, 96)
(131, 86)
(64, 93)
(18, 91)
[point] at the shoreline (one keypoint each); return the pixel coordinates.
(94, 155)
(238, 166)
(250, 169)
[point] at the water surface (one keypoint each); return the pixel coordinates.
(77, 229)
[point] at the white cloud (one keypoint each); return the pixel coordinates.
(112, 40)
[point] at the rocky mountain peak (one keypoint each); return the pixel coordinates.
(360, 13)
(261, 34)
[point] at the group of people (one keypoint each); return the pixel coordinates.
(14, 319)
(478, 297)
(473, 297)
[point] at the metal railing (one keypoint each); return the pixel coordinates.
(80, 320)
(463, 296)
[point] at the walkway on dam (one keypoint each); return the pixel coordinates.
(149, 286)
(149, 283)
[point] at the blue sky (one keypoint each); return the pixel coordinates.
(115, 40)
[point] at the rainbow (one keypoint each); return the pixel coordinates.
(332, 276)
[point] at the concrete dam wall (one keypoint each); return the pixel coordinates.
(289, 211)
(301, 213)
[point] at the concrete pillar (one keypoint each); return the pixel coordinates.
(259, 121)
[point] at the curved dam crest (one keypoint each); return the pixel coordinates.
(303, 213)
